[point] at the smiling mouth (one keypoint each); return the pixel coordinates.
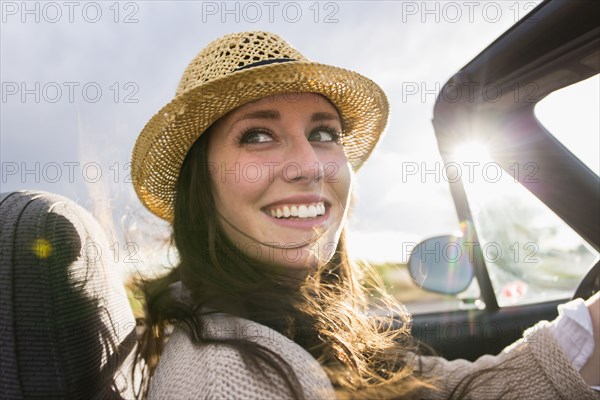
(297, 211)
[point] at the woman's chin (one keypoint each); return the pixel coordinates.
(304, 258)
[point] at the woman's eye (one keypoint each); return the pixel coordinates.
(254, 136)
(324, 135)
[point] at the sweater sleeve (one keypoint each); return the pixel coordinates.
(534, 367)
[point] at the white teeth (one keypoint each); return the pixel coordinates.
(302, 212)
(298, 211)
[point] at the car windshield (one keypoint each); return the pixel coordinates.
(531, 254)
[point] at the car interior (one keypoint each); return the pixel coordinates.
(557, 44)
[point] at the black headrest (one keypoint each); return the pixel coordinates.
(66, 325)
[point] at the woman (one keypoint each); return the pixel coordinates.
(252, 163)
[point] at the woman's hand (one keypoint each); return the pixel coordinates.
(591, 369)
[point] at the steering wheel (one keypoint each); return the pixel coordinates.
(590, 284)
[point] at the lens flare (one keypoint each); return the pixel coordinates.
(42, 248)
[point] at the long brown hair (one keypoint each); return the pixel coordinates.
(365, 354)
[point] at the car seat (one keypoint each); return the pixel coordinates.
(66, 324)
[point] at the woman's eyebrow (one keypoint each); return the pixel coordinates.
(324, 116)
(275, 115)
(261, 114)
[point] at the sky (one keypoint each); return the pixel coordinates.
(81, 79)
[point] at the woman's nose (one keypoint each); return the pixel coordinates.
(302, 163)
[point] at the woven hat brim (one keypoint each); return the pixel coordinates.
(162, 145)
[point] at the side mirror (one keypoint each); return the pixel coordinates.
(441, 264)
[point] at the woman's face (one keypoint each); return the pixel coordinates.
(281, 179)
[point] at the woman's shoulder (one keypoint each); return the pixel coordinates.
(185, 368)
(219, 370)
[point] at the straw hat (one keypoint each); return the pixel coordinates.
(232, 71)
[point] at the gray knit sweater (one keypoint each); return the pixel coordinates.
(533, 368)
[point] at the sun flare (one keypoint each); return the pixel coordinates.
(472, 151)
